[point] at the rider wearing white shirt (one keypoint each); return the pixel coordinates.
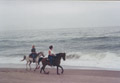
(51, 55)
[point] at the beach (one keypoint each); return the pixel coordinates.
(20, 75)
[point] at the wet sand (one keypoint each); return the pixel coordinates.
(20, 75)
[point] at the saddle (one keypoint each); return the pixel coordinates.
(31, 56)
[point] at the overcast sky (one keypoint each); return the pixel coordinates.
(58, 14)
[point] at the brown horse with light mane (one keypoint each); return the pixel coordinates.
(56, 62)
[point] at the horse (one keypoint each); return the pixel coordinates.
(29, 60)
(56, 62)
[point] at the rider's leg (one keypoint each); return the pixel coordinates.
(50, 58)
(53, 59)
(33, 56)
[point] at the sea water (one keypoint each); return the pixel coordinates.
(84, 47)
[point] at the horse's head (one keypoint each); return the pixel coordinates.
(62, 55)
(41, 54)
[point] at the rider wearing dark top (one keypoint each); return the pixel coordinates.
(33, 53)
(33, 50)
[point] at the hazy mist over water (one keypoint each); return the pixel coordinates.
(28, 14)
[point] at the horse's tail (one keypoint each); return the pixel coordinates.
(24, 58)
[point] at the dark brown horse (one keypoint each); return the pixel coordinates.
(56, 62)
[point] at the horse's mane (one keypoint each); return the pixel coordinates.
(58, 54)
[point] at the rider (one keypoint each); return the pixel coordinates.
(51, 55)
(33, 53)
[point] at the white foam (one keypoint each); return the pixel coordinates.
(102, 60)
(99, 60)
(11, 60)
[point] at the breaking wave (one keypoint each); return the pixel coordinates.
(103, 60)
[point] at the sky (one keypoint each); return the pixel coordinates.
(28, 14)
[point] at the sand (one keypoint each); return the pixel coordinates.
(20, 75)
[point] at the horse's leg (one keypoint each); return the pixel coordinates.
(26, 65)
(58, 70)
(30, 65)
(44, 69)
(62, 69)
(36, 66)
(41, 69)
(39, 62)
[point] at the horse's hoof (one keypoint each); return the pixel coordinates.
(47, 73)
(40, 71)
(58, 73)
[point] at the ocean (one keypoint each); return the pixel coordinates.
(84, 47)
